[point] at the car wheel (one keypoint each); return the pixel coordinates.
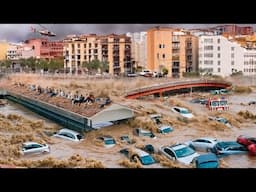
(192, 147)
(208, 150)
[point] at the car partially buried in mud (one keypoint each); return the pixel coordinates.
(143, 132)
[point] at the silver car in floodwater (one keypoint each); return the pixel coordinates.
(33, 147)
(69, 135)
(180, 152)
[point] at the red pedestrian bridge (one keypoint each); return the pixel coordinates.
(177, 87)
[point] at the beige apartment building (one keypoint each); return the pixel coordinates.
(114, 49)
(173, 49)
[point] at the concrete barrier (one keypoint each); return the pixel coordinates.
(66, 118)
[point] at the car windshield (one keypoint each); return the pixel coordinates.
(222, 120)
(166, 130)
(184, 152)
(110, 141)
(209, 164)
(184, 111)
(147, 160)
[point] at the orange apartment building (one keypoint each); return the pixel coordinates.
(173, 49)
(114, 49)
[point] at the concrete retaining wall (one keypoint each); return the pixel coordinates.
(65, 118)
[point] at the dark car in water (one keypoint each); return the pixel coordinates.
(208, 160)
(228, 148)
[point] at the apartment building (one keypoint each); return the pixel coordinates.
(114, 49)
(173, 49)
(139, 48)
(45, 49)
(221, 56)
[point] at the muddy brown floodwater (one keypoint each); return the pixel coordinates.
(15, 130)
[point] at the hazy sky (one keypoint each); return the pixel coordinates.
(21, 32)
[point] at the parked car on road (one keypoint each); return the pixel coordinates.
(228, 148)
(179, 152)
(69, 135)
(203, 144)
(208, 160)
(33, 147)
(133, 154)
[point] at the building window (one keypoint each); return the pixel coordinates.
(163, 45)
(208, 47)
(78, 45)
(208, 55)
(160, 46)
(90, 45)
(218, 55)
(157, 55)
(218, 40)
(84, 45)
(85, 57)
(78, 51)
(218, 48)
(96, 45)
(232, 48)
(219, 70)
(218, 62)
(163, 56)
(232, 55)
(208, 40)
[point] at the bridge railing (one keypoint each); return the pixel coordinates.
(176, 83)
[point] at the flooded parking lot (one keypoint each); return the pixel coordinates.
(19, 125)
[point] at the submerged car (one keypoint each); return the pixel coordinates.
(246, 140)
(183, 112)
(180, 152)
(204, 143)
(228, 148)
(201, 101)
(209, 160)
(127, 139)
(108, 141)
(142, 132)
(33, 147)
(161, 128)
(69, 135)
(134, 154)
(221, 120)
(249, 142)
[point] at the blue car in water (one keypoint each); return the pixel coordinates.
(208, 160)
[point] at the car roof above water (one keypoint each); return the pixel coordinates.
(69, 131)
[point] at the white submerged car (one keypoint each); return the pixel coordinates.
(202, 144)
(183, 112)
(33, 147)
(69, 135)
(179, 152)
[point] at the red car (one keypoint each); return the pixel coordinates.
(249, 142)
(245, 140)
